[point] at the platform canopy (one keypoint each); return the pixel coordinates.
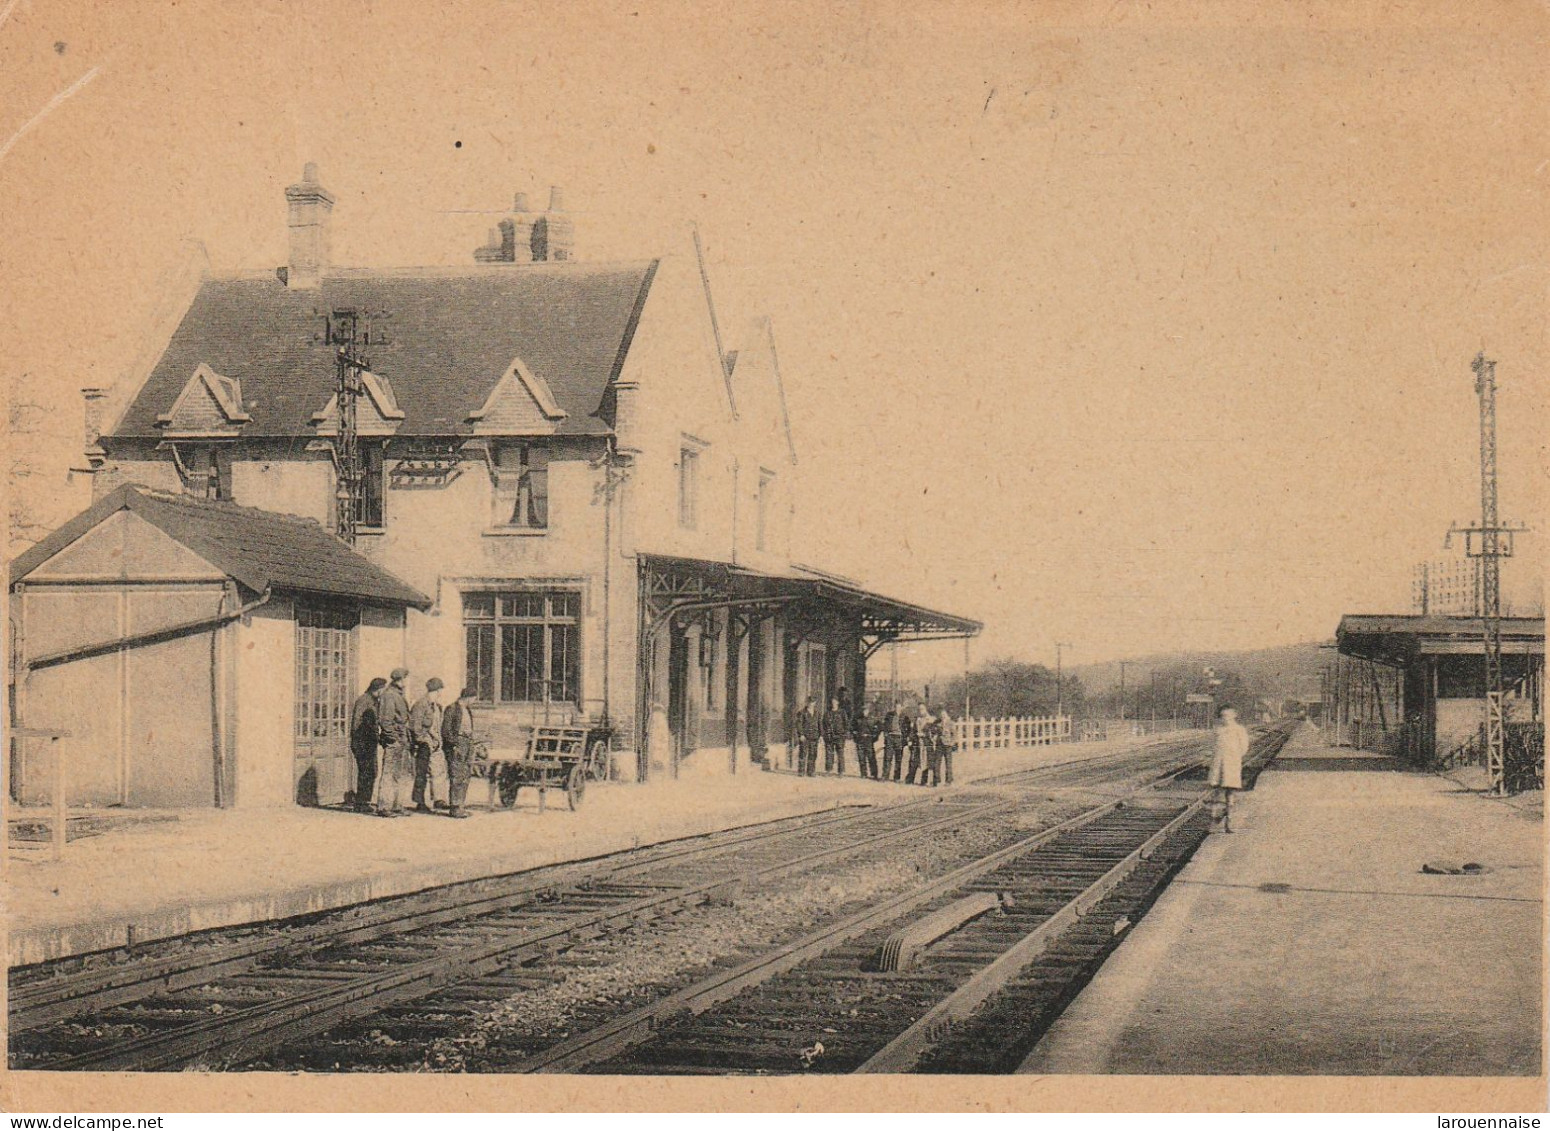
(1400, 640)
(800, 592)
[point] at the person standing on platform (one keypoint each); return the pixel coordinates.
(1232, 743)
(930, 748)
(864, 730)
(893, 743)
(946, 744)
(836, 728)
(457, 747)
(363, 743)
(806, 729)
(393, 735)
(848, 709)
(430, 784)
(920, 754)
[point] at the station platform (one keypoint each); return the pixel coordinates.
(1311, 942)
(160, 874)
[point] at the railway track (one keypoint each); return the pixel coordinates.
(233, 997)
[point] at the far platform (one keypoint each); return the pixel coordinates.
(1310, 941)
(164, 874)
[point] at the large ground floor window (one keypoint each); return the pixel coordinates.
(325, 672)
(524, 646)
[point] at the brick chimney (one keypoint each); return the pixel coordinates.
(510, 241)
(96, 403)
(554, 233)
(310, 205)
(493, 250)
(521, 233)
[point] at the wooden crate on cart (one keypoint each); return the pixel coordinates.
(557, 757)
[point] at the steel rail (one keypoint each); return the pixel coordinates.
(904, 1051)
(37, 1004)
(250, 1032)
(617, 1035)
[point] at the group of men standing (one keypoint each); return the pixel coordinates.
(930, 739)
(428, 745)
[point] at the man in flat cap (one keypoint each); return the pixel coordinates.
(363, 743)
(430, 772)
(457, 746)
(393, 733)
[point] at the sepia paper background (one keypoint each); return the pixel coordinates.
(1144, 324)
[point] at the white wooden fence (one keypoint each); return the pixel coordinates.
(1011, 734)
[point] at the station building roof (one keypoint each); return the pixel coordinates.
(443, 337)
(1399, 640)
(260, 550)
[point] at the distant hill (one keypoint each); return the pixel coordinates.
(1288, 671)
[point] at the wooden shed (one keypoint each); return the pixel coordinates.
(198, 653)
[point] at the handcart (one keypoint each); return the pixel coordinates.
(557, 757)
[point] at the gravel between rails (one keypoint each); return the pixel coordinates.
(627, 969)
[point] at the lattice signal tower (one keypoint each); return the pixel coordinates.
(1491, 541)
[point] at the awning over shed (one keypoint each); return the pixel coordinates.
(1400, 640)
(260, 550)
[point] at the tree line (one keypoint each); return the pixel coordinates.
(1006, 688)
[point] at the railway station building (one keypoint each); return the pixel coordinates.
(579, 499)
(1414, 686)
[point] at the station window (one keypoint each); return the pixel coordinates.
(524, 647)
(371, 504)
(688, 486)
(521, 495)
(207, 472)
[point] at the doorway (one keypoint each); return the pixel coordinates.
(325, 690)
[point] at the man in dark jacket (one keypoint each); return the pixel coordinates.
(918, 738)
(864, 730)
(363, 743)
(805, 732)
(393, 734)
(947, 744)
(457, 746)
(893, 743)
(836, 727)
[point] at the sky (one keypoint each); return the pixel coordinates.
(1141, 328)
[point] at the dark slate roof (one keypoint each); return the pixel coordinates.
(451, 334)
(260, 549)
(1400, 639)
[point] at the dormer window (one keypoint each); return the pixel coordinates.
(205, 470)
(521, 496)
(371, 503)
(209, 406)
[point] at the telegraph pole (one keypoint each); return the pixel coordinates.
(1494, 542)
(1491, 574)
(1123, 664)
(1060, 686)
(342, 327)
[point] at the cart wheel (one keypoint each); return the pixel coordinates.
(597, 760)
(510, 783)
(575, 786)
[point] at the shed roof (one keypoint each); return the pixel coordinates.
(259, 549)
(1400, 639)
(448, 337)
